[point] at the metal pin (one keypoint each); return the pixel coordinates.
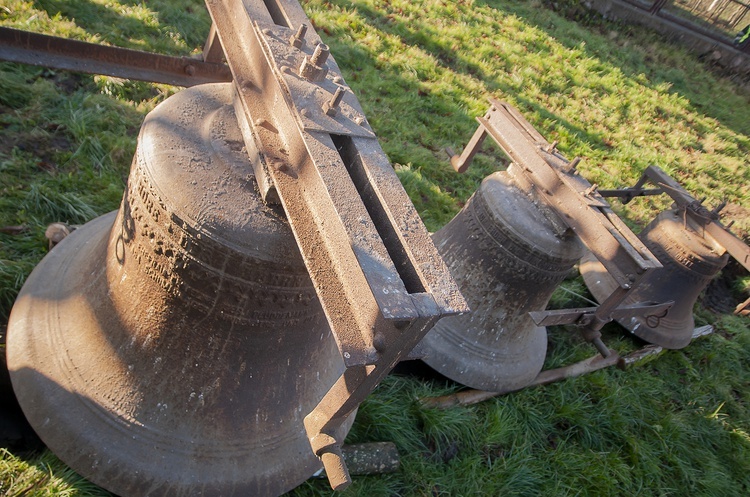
(298, 38)
(331, 107)
(320, 55)
(313, 69)
(591, 189)
(572, 165)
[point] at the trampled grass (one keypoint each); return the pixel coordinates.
(619, 97)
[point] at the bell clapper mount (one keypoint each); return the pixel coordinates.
(377, 274)
(537, 164)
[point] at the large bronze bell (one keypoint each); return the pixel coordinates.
(174, 347)
(691, 258)
(508, 254)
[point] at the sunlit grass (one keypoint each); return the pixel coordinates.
(615, 95)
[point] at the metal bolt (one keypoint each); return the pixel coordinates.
(320, 55)
(590, 190)
(298, 38)
(331, 107)
(312, 69)
(379, 342)
(247, 86)
(572, 165)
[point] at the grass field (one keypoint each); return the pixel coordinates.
(619, 97)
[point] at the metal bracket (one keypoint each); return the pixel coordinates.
(379, 278)
(75, 55)
(709, 220)
(585, 316)
(538, 164)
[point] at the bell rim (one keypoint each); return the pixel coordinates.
(601, 285)
(24, 349)
(489, 369)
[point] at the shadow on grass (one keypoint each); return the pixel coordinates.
(188, 17)
(641, 59)
(425, 36)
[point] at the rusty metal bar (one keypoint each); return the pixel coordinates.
(577, 201)
(212, 51)
(693, 207)
(74, 55)
(589, 365)
(559, 317)
(743, 308)
(538, 165)
(472, 396)
(627, 195)
(461, 163)
(378, 276)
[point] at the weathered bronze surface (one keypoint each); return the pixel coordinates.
(572, 204)
(690, 260)
(379, 279)
(175, 347)
(508, 254)
(692, 244)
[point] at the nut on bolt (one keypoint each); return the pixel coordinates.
(332, 106)
(313, 69)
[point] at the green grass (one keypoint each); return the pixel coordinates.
(618, 96)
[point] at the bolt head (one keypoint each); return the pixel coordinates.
(329, 110)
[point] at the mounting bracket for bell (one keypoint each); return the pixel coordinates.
(538, 164)
(709, 220)
(379, 278)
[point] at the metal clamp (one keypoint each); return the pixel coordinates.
(708, 219)
(379, 278)
(538, 163)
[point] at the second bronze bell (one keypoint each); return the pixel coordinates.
(508, 254)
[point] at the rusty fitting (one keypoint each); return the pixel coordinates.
(715, 212)
(320, 55)
(335, 467)
(328, 449)
(313, 69)
(572, 165)
(298, 38)
(332, 106)
(590, 332)
(591, 189)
